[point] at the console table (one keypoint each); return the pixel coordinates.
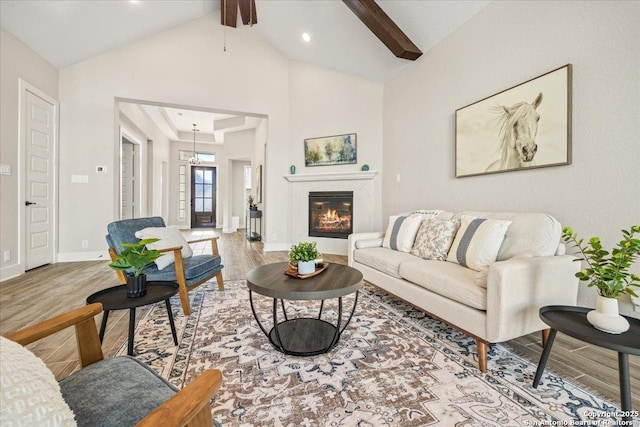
(253, 224)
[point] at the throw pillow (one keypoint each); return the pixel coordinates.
(477, 242)
(170, 237)
(401, 232)
(434, 238)
(30, 394)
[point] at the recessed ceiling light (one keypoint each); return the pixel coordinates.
(306, 37)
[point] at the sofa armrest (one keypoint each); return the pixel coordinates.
(355, 237)
(517, 288)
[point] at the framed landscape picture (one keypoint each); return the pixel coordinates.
(330, 150)
(523, 127)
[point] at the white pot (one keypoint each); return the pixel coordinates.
(606, 317)
(306, 267)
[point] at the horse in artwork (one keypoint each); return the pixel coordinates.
(518, 130)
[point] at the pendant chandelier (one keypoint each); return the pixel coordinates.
(194, 160)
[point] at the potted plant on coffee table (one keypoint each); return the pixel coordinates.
(609, 272)
(304, 255)
(132, 260)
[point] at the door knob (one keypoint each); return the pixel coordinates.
(28, 203)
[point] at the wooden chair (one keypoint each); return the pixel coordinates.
(94, 402)
(189, 273)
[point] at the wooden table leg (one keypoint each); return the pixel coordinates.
(544, 357)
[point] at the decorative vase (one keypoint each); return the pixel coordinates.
(136, 286)
(606, 316)
(292, 169)
(306, 267)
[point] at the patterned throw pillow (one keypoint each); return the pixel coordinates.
(30, 394)
(434, 238)
(477, 242)
(401, 232)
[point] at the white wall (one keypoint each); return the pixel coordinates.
(325, 103)
(183, 66)
(505, 44)
(17, 61)
(237, 146)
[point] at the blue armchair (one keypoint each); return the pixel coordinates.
(189, 273)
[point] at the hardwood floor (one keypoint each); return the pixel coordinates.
(54, 289)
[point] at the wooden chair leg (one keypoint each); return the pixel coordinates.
(184, 298)
(220, 282)
(545, 336)
(482, 355)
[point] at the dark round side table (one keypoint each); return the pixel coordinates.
(115, 298)
(572, 321)
(304, 336)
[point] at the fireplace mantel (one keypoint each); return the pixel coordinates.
(331, 176)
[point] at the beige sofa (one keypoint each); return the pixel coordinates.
(492, 306)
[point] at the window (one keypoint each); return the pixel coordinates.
(203, 157)
(182, 192)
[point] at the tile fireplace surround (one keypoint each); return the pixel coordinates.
(366, 213)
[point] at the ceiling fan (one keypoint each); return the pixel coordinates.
(367, 11)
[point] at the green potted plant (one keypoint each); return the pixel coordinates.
(609, 272)
(132, 260)
(252, 206)
(304, 255)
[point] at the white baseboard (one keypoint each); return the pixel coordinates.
(11, 271)
(229, 230)
(271, 247)
(83, 256)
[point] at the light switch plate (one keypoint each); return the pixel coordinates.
(5, 169)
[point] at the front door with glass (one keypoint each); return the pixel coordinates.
(203, 196)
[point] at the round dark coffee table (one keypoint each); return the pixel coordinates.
(305, 336)
(572, 321)
(115, 298)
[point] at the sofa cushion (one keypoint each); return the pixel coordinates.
(170, 237)
(477, 242)
(115, 392)
(382, 259)
(30, 394)
(534, 233)
(434, 238)
(449, 280)
(401, 232)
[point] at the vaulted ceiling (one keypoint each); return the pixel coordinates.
(66, 32)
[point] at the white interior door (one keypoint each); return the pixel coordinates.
(39, 120)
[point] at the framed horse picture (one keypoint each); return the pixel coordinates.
(523, 127)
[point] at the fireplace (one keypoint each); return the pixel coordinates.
(330, 214)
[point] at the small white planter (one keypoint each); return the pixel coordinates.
(306, 267)
(606, 316)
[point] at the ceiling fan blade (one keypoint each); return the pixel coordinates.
(248, 12)
(229, 13)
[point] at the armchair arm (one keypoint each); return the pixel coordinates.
(86, 333)
(517, 288)
(214, 243)
(355, 237)
(190, 406)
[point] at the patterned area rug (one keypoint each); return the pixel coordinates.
(394, 366)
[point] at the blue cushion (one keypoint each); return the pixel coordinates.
(125, 231)
(195, 268)
(115, 392)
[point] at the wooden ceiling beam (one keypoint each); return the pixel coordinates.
(248, 12)
(384, 28)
